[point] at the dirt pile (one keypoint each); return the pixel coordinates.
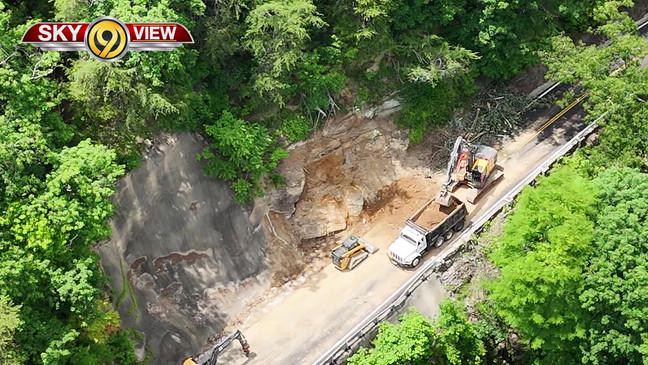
(339, 172)
(434, 214)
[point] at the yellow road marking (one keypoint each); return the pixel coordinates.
(556, 117)
(574, 103)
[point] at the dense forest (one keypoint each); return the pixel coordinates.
(263, 74)
(573, 253)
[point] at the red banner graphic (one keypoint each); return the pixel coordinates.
(107, 38)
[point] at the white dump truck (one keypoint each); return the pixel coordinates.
(428, 228)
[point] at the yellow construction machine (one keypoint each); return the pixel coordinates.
(351, 252)
(470, 164)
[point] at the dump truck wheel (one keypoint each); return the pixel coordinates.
(416, 261)
(459, 226)
(448, 235)
(439, 242)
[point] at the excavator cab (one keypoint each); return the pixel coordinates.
(478, 173)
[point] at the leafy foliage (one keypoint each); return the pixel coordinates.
(573, 267)
(406, 343)
(9, 323)
(541, 255)
(438, 61)
(54, 198)
(426, 106)
(619, 95)
(276, 35)
(450, 339)
(458, 341)
(616, 280)
(241, 153)
(294, 128)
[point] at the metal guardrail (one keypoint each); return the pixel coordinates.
(343, 348)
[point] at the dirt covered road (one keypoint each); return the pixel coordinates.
(299, 326)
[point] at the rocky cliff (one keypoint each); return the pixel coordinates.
(183, 254)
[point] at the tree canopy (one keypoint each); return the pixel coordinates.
(264, 74)
(450, 339)
(616, 277)
(541, 255)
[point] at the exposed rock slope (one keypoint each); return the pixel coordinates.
(186, 251)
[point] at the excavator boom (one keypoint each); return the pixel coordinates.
(210, 357)
(443, 197)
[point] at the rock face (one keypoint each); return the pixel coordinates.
(331, 177)
(183, 254)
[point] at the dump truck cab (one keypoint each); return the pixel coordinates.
(428, 228)
(408, 247)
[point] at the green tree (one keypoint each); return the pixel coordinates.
(457, 339)
(9, 323)
(409, 342)
(45, 264)
(541, 255)
(620, 95)
(241, 153)
(73, 208)
(117, 102)
(451, 339)
(507, 34)
(224, 29)
(616, 278)
(276, 35)
(439, 78)
(438, 61)
(374, 17)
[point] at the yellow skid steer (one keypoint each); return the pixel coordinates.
(351, 252)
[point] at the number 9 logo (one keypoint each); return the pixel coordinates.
(107, 39)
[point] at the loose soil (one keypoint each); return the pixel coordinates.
(434, 214)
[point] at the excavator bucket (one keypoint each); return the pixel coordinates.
(444, 198)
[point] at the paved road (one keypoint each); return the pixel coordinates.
(299, 327)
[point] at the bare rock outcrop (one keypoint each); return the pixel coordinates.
(183, 256)
(331, 177)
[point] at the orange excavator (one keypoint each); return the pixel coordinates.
(470, 164)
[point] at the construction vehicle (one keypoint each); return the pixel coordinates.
(351, 252)
(428, 228)
(471, 164)
(211, 356)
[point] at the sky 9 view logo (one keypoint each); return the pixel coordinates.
(107, 39)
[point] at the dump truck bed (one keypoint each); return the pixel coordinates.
(434, 214)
